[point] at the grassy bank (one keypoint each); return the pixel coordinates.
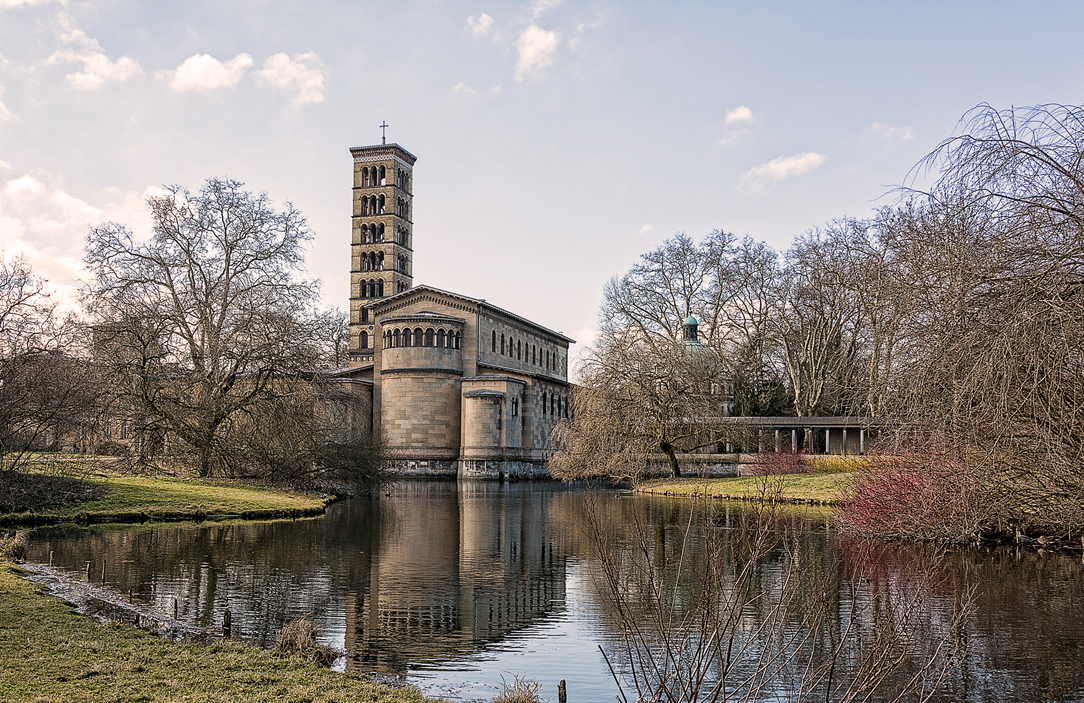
(117, 497)
(51, 654)
(816, 488)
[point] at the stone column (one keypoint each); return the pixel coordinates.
(777, 440)
(794, 440)
(862, 440)
(828, 440)
(844, 441)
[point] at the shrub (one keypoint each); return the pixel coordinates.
(916, 497)
(298, 638)
(778, 463)
(521, 691)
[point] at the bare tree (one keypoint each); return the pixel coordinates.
(206, 320)
(638, 402)
(45, 392)
(738, 608)
(996, 248)
(818, 323)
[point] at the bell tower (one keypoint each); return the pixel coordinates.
(382, 243)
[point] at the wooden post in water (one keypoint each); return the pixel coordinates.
(562, 695)
(174, 608)
(51, 553)
(103, 572)
(226, 624)
(88, 571)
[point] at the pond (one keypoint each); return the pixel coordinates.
(458, 586)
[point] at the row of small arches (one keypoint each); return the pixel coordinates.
(376, 205)
(378, 176)
(371, 289)
(374, 234)
(418, 337)
(514, 348)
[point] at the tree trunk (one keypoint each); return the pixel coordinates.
(671, 458)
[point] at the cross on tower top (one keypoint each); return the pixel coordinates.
(383, 132)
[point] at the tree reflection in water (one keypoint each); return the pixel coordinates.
(747, 606)
(446, 578)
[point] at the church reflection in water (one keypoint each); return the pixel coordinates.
(434, 571)
(453, 570)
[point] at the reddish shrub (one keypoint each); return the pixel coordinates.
(915, 497)
(777, 463)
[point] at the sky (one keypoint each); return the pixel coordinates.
(556, 141)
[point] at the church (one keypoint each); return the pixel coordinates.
(459, 387)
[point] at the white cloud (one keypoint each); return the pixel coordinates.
(204, 73)
(303, 75)
(537, 48)
(5, 113)
(645, 229)
(732, 137)
(780, 169)
(48, 226)
(463, 89)
(540, 6)
(5, 167)
(738, 115)
(888, 133)
(480, 26)
(495, 89)
(98, 69)
(12, 4)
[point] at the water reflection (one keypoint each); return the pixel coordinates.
(474, 581)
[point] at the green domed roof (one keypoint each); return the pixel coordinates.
(690, 320)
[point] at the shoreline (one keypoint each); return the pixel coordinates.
(817, 489)
(84, 643)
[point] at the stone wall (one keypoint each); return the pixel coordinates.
(420, 411)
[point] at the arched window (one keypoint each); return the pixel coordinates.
(519, 351)
(429, 337)
(553, 405)
(396, 339)
(364, 341)
(458, 339)
(493, 347)
(502, 344)
(380, 205)
(383, 177)
(547, 358)
(379, 231)
(534, 354)
(380, 288)
(515, 406)
(543, 403)
(441, 338)
(372, 176)
(372, 205)
(418, 336)
(364, 315)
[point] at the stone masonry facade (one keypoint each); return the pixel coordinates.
(460, 387)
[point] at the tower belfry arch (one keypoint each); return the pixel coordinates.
(382, 235)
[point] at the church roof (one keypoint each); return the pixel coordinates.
(479, 302)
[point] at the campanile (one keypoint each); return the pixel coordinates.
(382, 243)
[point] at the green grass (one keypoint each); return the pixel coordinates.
(811, 487)
(50, 653)
(128, 495)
